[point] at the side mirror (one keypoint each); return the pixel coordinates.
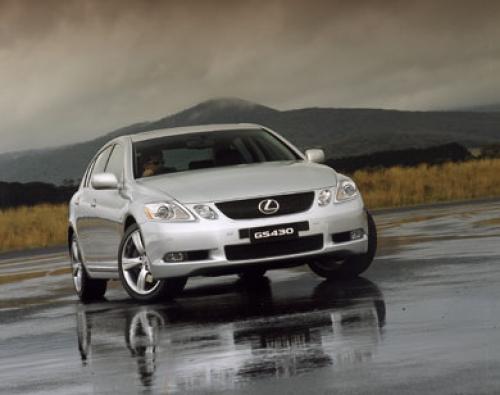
(104, 181)
(315, 155)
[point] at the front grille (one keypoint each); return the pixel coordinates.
(249, 208)
(274, 248)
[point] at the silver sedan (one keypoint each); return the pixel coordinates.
(156, 208)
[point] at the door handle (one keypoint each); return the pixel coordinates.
(94, 203)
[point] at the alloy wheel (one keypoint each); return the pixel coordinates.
(135, 266)
(76, 265)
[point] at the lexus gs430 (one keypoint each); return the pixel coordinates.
(156, 208)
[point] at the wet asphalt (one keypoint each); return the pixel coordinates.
(424, 319)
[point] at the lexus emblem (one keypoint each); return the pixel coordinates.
(269, 206)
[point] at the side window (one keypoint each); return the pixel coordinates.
(86, 179)
(115, 163)
(100, 163)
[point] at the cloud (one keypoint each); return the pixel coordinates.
(72, 70)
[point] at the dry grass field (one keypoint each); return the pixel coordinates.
(45, 225)
(398, 186)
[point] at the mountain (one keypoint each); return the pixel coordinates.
(484, 108)
(341, 132)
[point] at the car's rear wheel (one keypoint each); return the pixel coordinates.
(87, 289)
(351, 266)
(135, 273)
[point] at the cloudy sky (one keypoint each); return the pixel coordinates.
(72, 70)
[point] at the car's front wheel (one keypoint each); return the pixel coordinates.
(87, 289)
(352, 266)
(135, 273)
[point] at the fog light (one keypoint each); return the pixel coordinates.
(174, 257)
(357, 234)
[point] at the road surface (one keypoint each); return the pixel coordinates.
(424, 319)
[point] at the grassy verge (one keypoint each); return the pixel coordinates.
(45, 225)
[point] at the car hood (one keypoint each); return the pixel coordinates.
(242, 181)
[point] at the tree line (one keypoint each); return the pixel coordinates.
(13, 194)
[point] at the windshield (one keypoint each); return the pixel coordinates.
(204, 150)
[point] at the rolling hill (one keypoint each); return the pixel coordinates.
(341, 132)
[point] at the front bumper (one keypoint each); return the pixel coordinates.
(213, 236)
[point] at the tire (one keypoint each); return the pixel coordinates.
(352, 266)
(135, 275)
(87, 288)
(252, 274)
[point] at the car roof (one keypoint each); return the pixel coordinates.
(192, 129)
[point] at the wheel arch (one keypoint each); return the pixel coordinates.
(71, 232)
(129, 220)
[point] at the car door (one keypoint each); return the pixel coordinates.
(81, 208)
(83, 212)
(108, 213)
(89, 232)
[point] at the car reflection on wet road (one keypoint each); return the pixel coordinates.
(425, 319)
(253, 331)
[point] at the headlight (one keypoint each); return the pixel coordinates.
(205, 211)
(346, 190)
(168, 211)
(324, 197)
